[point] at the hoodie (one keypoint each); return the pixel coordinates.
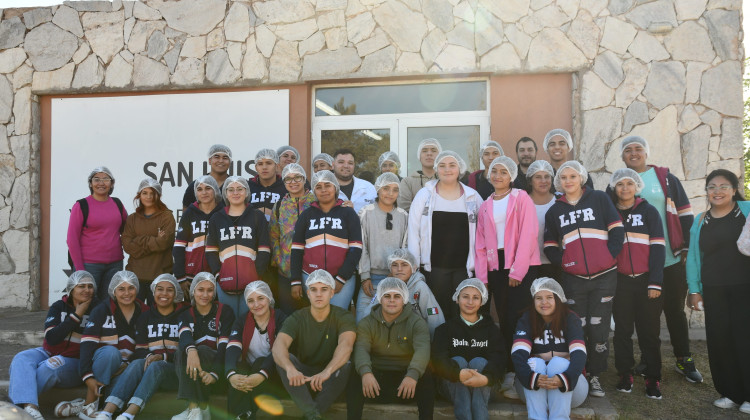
(264, 198)
(643, 251)
(149, 254)
(210, 330)
(158, 334)
(457, 338)
(377, 241)
(189, 250)
(63, 329)
(241, 336)
(410, 186)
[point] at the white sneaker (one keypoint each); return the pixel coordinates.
(745, 407)
(206, 414)
(101, 415)
(510, 377)
(121, 417)
(181, 416)
(195, 414)
(69, 408)
(725, 402)
(33, 412)
(88, 411)
(511, 393)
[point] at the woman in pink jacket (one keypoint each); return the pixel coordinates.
(507, 253)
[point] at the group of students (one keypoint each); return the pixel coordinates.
(270, 276)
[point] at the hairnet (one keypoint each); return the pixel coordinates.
(262, 288)
(403, 254)
(267, 154)
(390, 157)
(558, 132)
(475, 283)
(280, 151)
(150, 183)
(293, 168)
(627, 141)
(236, 180)
(200, 278)
(179, 296)
(392, 285)
(451, 154)
(574, 165)
(489, 144)
(220, 148)
(209, 181)
(325, 176)
(320, 276)
(428, 142)
(626, 173)
(325, 157)
(386, 178)
(79, 277)
(507, 163)
(100, 169)
(539, 165)
(121, 277)
(548, 284)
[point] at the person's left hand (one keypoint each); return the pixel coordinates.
(550, 382)
(338, 286)
(653, 294)
(476, 380)
(407, 388)
(151, 359)
(514, 282)
(316, 381)
(207, 378)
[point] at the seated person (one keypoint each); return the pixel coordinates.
(313, 347)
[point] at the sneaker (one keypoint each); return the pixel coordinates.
(511, 393)
(194, 414)
(510, 377)
(595, 388)
(653, 390)
(33, 412)
(745, 407)
(687, 368)
(88, 411)
(625, 384)
(725, 402)
(246, 416)
(103, 415)
(641, 369)
(181, 416)
(69, 408)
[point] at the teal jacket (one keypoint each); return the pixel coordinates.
(695, 256)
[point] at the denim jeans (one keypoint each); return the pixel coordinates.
(143, 385)
(236, 302)
(106, 361)
(303, 395)
(559, 404)
(343, 298)
(469, 403)
(364, 301)
(103, 275)
(33, 371)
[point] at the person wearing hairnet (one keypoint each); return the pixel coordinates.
(389, 162)
(468, 353)
(96, 223)
(391, 355)
(558, 144)
(583, 234)
(249, 365)
(664, 191)
(204, 334)
(322, 161)
(152, 363)
(507, 255)
(281, 230)
(383, 230)
(539, 186)
(237, 246)
(480, 180)
(286, 155)
(427, 151)
(266, 188)
(219, 162)
(549, 354)
(55, 364)
(148, 237)
(321, 338)
(355, 192)
(526, 151)
(640, 267)
(327, 236)
(108, 340)
(442, 227)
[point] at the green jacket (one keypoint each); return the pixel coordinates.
(404, 345)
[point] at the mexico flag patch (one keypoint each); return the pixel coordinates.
(432, 311)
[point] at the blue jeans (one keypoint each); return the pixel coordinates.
(364, 301)
(558, 403)
(343, 298)
(468, 402)
(106, 361)
(33, 371)
(236, 302)
(143, 385)
(103, 275)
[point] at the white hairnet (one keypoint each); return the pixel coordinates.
(392, 285)
(475, 283)
(489, 144)
(386, 178)
(150, 183)
(574, 165)
(627, 141)
(539, 165)
(389, 157)
(220, 148)
(293, 168)
(451, 154)
(260, 287)
(325, 157)
(79, 277)
(428, 142)
(208, 181)
(267, 154)
(98, 169)
(506, 162)
(325, 176)
(121, 277)
(236, 180)
(403, 254)
(200, 278)
(179, 296)
(320, 276)
(558, 132)
(280, 151)
(626, 173)
(550, 285)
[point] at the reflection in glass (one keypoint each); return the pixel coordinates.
(463, 140)
(367, 146)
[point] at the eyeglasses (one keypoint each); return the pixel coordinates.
(297, 179)
(235, 190)
(97, 180)
(388, 221)
(722, 188)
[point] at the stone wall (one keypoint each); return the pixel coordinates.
(670, 70)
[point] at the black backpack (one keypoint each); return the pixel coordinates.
(85, 210)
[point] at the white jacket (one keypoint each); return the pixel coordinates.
(363, 194)
(420, 224)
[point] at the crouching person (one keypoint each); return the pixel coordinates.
(549, 354)
(468, 353)
(313, 347)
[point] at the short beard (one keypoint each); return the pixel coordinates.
(344, 178)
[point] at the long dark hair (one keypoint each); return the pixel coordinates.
(731, 177)
(139, 208)
(557, 325)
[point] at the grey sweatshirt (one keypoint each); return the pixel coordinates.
(410, 186)
(378, 242)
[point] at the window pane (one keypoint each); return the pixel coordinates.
(463, 140)
(401, 99)
(367, 146)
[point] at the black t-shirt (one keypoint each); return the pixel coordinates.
(348, 189)
(450, 239)
(520, 181)
(723, 264)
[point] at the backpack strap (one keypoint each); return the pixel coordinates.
(121, 208)
(84, 205)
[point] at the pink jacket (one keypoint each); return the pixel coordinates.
(521, 230)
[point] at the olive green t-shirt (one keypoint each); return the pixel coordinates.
(313, 342)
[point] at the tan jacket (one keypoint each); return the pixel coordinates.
(410, 186)
(149, 254)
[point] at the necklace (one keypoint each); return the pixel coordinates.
(501, 196)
